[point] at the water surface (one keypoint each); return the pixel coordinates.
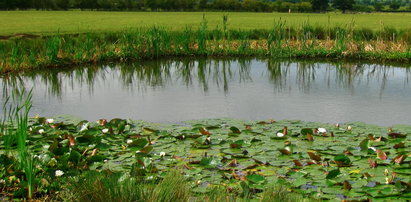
(179, 90)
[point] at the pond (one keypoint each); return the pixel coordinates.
(171, 91)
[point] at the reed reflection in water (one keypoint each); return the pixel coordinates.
(178, 90)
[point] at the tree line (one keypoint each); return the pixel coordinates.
(210, 5)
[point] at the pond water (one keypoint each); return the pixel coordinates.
(249, 89)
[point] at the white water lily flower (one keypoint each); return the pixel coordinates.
(387, 181)
(49, 120)
(59, 173)
(337, 125)
(349, 128)
(105, 130)
(41, 131)
(322, 130)
(46, 146)
(84, 127)
(30, 129)
(162, 154)
(129, 141)
(280, 134)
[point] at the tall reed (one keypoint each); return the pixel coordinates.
(14, 126)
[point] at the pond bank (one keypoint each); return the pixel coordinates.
(70, 50)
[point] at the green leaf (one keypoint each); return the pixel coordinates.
(254, 178)
(332, 174)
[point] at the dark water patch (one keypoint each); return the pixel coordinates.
(179, 90)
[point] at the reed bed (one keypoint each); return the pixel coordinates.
(305, 41)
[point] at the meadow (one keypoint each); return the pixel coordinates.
(52, 22)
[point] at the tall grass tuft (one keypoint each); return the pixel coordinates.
(14, 127)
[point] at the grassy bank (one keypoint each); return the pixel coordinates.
(305, 41)
(52, 22)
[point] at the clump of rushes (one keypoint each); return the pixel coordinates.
(134, 44)
(14, 128)
(109, 186)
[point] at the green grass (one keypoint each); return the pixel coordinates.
(52, 22)
(306, 41)
(106, 186)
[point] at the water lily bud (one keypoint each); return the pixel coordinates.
(337, 125)
(162, 154)
(59, 173)
(280, 134)
(373, 148)
(288, 149)
(387, 181)
(41, 131)
(30, 129)
(386, 172)
(105, 130)
(129, 141)
(349, 128)
(49, 120)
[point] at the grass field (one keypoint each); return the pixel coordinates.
(51, 22)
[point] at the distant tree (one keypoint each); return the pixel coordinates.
(378, 6)
(252, 5)
(395, 5)
(344, 5)
(63, 4)
(305, 7)
(203, 4)
(23, 4)
(319, 5)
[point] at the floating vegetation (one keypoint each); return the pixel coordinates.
(354, 161)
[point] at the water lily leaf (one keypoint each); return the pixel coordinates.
(399, 159)
(149, 130)
(373, 164)
(382, 155)
(286, 151)
(306, 131)
(332, 174)
(147, 149)
(96, 158)
(364, 145)
(237, 144)
(254, 178)
(397, 135)
(297, 163)
(204, 131)
(209, 162)
(139, 143)
(399, 145)
(314, 156)
(75, 156)
(310, 137)
(347, 185)
(342, 160)
(235, 130)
